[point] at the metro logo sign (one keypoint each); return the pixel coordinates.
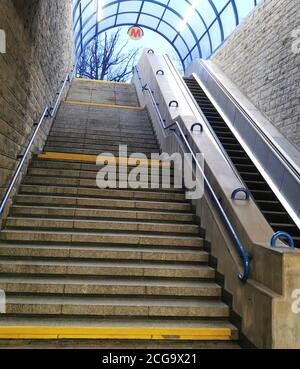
(135, 33)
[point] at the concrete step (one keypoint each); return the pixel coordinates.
(99, 214)
(149, 185)
(89, 151)
(73, 169)
(102, 132)
(108, 268)
(100, 225)
(108, 286)
(68, 173)
(116, 136)
(98, 203)
(51, 341)
(102, 98)
(130, 333)
(99, 112)
(116, 306)
(113, 141)
(111, 126)
(134, 160)
(74, 187)
(101, 238)
(106, 136)
(126, 98)
(100, 147)
(105, 252)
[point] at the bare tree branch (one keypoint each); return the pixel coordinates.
(106, 59)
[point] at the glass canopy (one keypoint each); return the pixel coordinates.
(194, 28)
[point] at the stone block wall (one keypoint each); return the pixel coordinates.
(260, 59)
(39, 54)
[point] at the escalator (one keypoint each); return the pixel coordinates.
(266, 200)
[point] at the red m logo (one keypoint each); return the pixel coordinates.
(135, 33)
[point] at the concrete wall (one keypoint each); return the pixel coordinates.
(259, 59)
(39, 54)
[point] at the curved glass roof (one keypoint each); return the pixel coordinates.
(195, 28)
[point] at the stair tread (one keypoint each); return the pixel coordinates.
(104, 222)
(106, 191)
(54, 196)
(115, 322)
(140, 249)
(101, 264)
(112, 234)
(87, 202)
(107, 282)
(96, 238)
(115, 301)
(28, 207)
(82, 182)
(69, 173)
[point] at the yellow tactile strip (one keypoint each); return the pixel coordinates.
(103, 105)
(46, 332)
(109, 160)
(101, 81)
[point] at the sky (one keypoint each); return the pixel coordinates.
(153, 41)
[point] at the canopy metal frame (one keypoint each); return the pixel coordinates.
(87, 27)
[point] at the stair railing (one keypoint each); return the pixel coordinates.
(48, 112)
(244, 255)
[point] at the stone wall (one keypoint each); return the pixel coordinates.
(38, 56)
(259, 59)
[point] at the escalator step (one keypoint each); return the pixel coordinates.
(228, 135)
(211, 115)
(248, 176)
(216, 120)
(239, 153)
(243, 161)
(292, 229)
(205, 104)
(229, 141)
(277, 216)
(255, 185)
(201, 100)
(220, 129)
(232, 146)
(264, 195)
(266, 205)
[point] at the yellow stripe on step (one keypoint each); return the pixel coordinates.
(101, 81)
(103, 105)
(93, 159)
(93, 333)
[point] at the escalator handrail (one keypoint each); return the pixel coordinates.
(245, 256)
(280, 154)
(208, 125)
(226, 156)
(48, 112)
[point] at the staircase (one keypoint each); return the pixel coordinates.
(115, 266)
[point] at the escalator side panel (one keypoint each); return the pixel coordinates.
(262, 194)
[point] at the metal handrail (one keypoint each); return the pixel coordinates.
(47, 113)
(245, 256)
(207, 124)
(53, 108)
